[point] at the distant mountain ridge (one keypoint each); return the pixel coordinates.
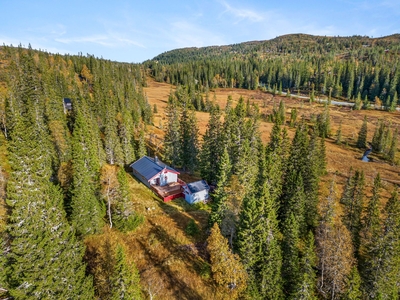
(290, 43)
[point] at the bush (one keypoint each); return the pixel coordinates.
(192, 229)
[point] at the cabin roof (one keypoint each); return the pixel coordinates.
(198, 186)
(149, 167)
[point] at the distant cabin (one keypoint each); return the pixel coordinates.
(151, 171)
(196, 191)
(67, 105)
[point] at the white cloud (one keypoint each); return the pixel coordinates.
(185, 34)
(109, 39)
(242, 13)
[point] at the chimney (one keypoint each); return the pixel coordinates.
(156, 159)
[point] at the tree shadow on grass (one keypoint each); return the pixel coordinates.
(166, 265)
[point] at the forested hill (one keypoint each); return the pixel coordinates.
(297, 44)
(342, 67)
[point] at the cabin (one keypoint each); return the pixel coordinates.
(159, 177)
(67, 105)
(196, 191)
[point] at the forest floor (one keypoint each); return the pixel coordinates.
(171, 258)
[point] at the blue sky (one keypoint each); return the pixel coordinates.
(134, 31)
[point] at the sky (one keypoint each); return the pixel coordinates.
(134, 31)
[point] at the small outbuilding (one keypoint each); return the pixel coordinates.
(196, 191)
(67, 103)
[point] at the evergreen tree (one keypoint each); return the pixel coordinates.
(220, 196)
(306, 288)
(44, 261)
(323, 122)
(87, 211)
(228, 272)
(125, 280)
(393, 148)
(125, 128)
(383, 269)
(353, 202)
(141, 144)
(275, 161)
(353, 289)
(362, 135)
(211, 148)
(334, 249)
(290, 249)
(371, 225)
(339, 135)
(258, 243)
(112, 145)
(172, 138)
(189, 140)
(358, 102)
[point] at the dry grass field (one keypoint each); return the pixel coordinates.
(339, 157)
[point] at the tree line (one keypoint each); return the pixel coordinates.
(340, 67)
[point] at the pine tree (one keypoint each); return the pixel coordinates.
(362, 135)
(125, 280)
(44, 261)
(228, 272)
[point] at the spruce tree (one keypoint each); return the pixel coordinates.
(210, 152)
(362, 135)
(172, 138)
(125, 280)
(353, 203)
(87, 210)
(228, 272)
(189, 140)
(306, 288)
(112, 144)
(290, 250)
(258, 242)
(220, 196)
(44, 260)
(339, 135)
(334, 249)
(353, 288)
(383, 268)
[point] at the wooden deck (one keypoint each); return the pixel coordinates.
(170, 191)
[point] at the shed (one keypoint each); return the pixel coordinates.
(197, 191)
(67, 104)
(152, 171)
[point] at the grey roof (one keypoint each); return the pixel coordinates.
(198, 186)
(148, 168)
(67, 103)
